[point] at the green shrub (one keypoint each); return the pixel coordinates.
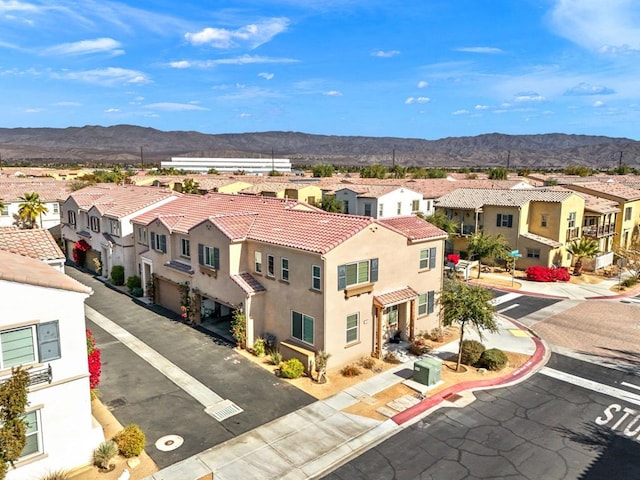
(130, 441)
(292, 368)
(117, 275)
(137, 292)
(493, 359)
(276, 357)
(471, 351)
(258, 347)
(350, 371)
(133, 283)
(104, 453)
(629, 282)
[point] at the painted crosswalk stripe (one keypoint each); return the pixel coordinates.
(510, 307)
(630, 385)
(505, 298)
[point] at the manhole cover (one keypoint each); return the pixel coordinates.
(223, 410)
(169, 442)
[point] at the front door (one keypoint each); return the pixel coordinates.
(391, 317)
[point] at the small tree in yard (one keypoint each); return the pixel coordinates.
(487, 246)
(465, 304)
(239, 328)
(582, 248)
(631, 257)
(13, 401)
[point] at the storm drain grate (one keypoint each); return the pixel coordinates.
(223, 410)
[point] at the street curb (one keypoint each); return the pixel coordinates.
(523, 292)
(538, 359)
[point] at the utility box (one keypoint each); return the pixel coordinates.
(427, 371)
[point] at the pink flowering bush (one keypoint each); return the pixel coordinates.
(547, 274)
(95, 365)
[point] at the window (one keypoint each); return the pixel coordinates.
(380, 210)
(426, 302)
(428, 258)
(572, 220)
(428, 205)
(302, 327)
(159, 242)
(56, 207)
(504, 220)
(114, 227)
(367, 209)
(94, 224)
(71, 216)
(392, 316)
(185, 247)
(353, 322)
(399, 208)
(35, 343)
(415, 206)
(316, 278)
(627, 214)
(142, 235)
(345, 206)
(284, 269)
(209, 256)
(33, 434)
(271, 269)
(357, 273)
(543, 220)
(257, 262)
(533, 253)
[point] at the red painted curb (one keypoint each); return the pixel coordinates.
(437, 398)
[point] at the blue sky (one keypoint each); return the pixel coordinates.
(406, 68)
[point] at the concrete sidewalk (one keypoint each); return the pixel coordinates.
(316, 439)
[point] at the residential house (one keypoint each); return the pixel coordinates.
(628, 201)
(99, 218)
(379, 201)
(35, 243)
(537, 223)
(42, 313)
(306, 279)
(305, 192)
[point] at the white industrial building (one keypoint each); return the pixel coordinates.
(248, 165)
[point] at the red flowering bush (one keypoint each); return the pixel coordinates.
(547, 274)
(453, 258)
(80, 252)
(95, 366)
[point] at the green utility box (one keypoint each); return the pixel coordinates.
(427, 370)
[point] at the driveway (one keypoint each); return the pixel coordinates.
(137, 391)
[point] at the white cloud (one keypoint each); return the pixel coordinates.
(423, 84)
(482, 107)
(7, 6)
(387, 54)
(241, 60)
(33, 110)
(266, 76)
(84, 47)
(112, 110)
(529, 97)
(489, 50)
(180, 64)
(106, 76)
(333, 93)
(412, 100)
(250, 36)
(245, 115)
(67, 104)
(460, 112)
(588, 89)
(598, 104)
(174, 107)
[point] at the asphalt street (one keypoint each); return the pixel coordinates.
(544, 428)
(520, 305)
(137, 392)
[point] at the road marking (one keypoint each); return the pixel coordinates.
(505, 298)
(631, 385)
(591, 385)
(506, 309)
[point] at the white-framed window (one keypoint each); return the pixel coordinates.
(353, 326)
(504, 220)
(284, 269)
(30, 344)
(209, 256)
(257, 262)
(426, 303)
(399, 208)
(572, 220)
(33, 434)
(345, 206)
(367, 209)
(5, 210)
(94, 223)
(415, 206)
(114, 227)
(55, 207)
(159, 242)
(627, 214)
(271, 266)
(392, 315)
(380, 210)
(533, 253)
(71, 216)
(302, 327)
(544, 218)
(185, 248)
(427, 258)
(142, 235)
(364, 271)
(316, 277)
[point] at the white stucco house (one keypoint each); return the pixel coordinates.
(380, 201)
(42, 329)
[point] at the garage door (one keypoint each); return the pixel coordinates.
(168, 295)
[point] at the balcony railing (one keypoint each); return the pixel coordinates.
(466, 230)
(36, 376)
(573, 233)
(599, 231)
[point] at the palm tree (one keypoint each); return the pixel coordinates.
(581, 248)
(487, 246)
(30, 208)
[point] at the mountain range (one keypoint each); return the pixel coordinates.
(129, 144)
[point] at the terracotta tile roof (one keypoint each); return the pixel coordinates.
(50, 190)
(619, 190)
(395, 297)
(120, 200)
(591, 202)
(248, 283)
(235, 226)
(413, 227)
(540, 239)
(475, 198)
(27, 270)
(35, 243)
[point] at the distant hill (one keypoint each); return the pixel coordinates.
(123, 143)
